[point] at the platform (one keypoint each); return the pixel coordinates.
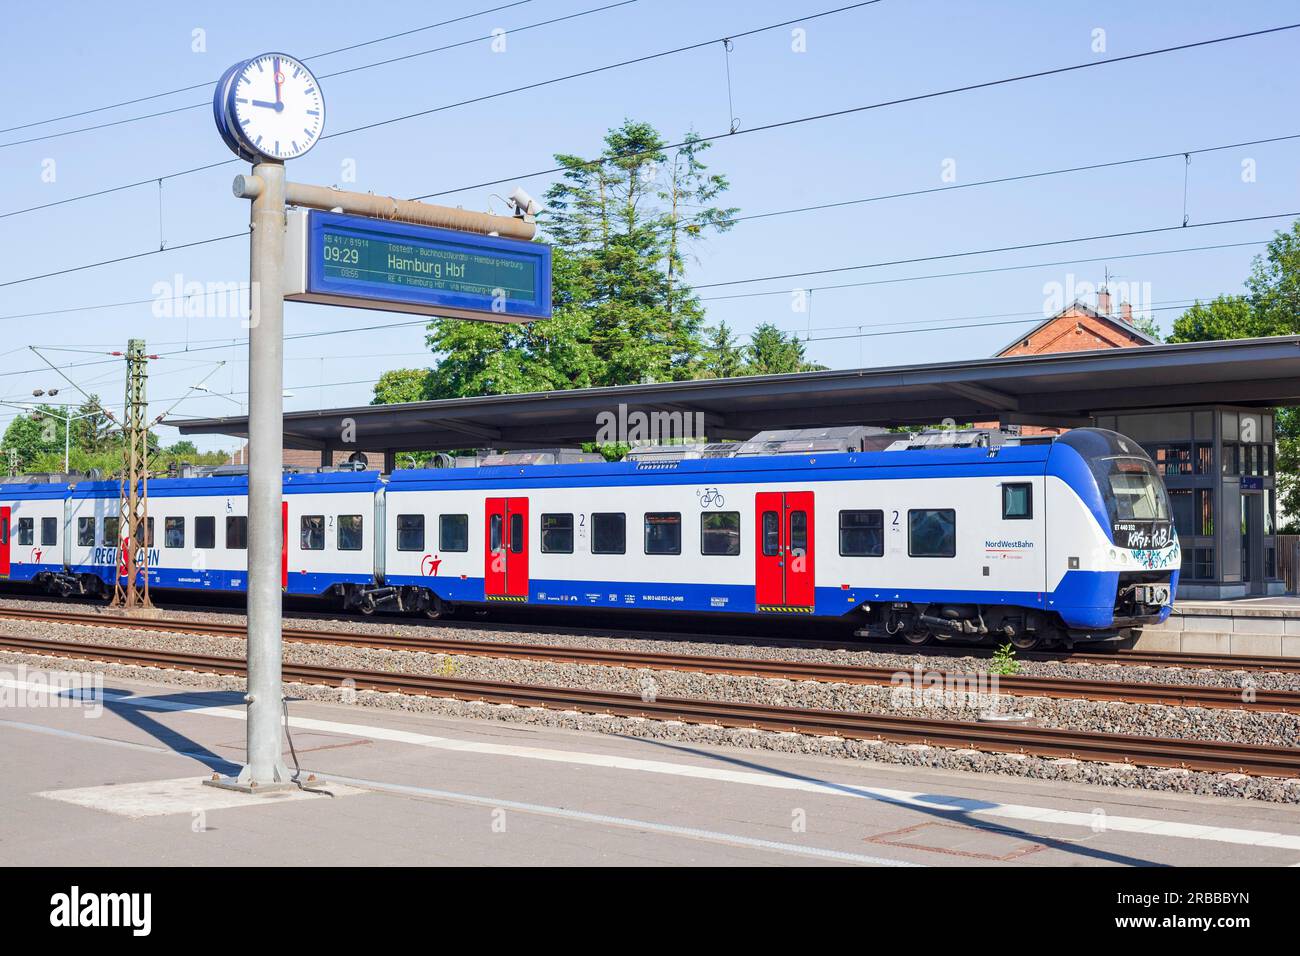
(1249, 627)
(122, 786)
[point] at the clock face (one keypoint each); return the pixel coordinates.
(275, 106)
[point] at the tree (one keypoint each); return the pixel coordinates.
(621, 227)
(91, 426)
(773, 352)
(1145, 323)
(722, 356)
(402, 385)
(1223, 317)
(1269, 307)
(34, 434)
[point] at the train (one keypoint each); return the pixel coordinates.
(1044, 540)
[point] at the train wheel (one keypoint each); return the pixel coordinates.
(1025, 642)
(917, 638)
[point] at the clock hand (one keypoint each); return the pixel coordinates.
(266, 105)
(279, 82)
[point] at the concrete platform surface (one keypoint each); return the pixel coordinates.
(116, 782)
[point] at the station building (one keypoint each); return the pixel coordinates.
(1217, 461)
(1203, 410)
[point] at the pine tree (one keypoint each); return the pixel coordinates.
(773, 352)
(621, 228)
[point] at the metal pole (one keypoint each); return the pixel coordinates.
(398, 210)
(67, 431)
(265, 765)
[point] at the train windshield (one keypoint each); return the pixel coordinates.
(1136, 492)
(1136, 501)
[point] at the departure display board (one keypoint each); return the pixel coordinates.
(425, 269)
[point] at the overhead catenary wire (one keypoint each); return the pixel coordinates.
(1036, 317)
(226, 162)
(994, 249)
(323, 76)
(848, 111)
(489, 96)
(202, 344)
(756, 129)
(209, 83)
(974, 272)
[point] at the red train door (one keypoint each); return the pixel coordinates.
(4, 542)
(784, 551)
(505, 572)
(284, 545)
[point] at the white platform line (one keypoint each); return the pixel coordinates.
(695, 833)
(771, 780)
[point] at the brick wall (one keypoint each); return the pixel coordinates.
(1075, 331)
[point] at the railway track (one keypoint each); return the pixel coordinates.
(1174, 695)
(1284, 665)
(1214, 756)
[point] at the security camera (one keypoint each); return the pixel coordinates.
(525, 206)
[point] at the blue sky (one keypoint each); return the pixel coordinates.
(63, 57)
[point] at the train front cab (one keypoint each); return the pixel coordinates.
(1121, 573)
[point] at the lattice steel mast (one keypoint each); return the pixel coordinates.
(134, 540)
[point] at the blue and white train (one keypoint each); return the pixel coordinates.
(1058, 540)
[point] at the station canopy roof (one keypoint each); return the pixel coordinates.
(1060, 389)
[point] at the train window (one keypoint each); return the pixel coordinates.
(494, 533)
(173, 532)
(1017, 501)
(236, 532)
(49, 531)
(205, 532)
(26, 531)
(85, 532)
(557, 534)
(145, 531)
(862, 534)
(608, 533)
(932, 533)
(798, 532)
(453, 532)
(663, 532)
(516, 533)
(771, 533)
(349, 534)
(111, 538)
(311, 533)
(720, 532)
(410, 532)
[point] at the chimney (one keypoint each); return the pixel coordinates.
(1126, 312)
(1103, 302)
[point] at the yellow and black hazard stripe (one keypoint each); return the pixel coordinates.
(517, 598)
(784, 609)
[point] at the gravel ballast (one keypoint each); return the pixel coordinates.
(1150, 720)
(759, 648)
